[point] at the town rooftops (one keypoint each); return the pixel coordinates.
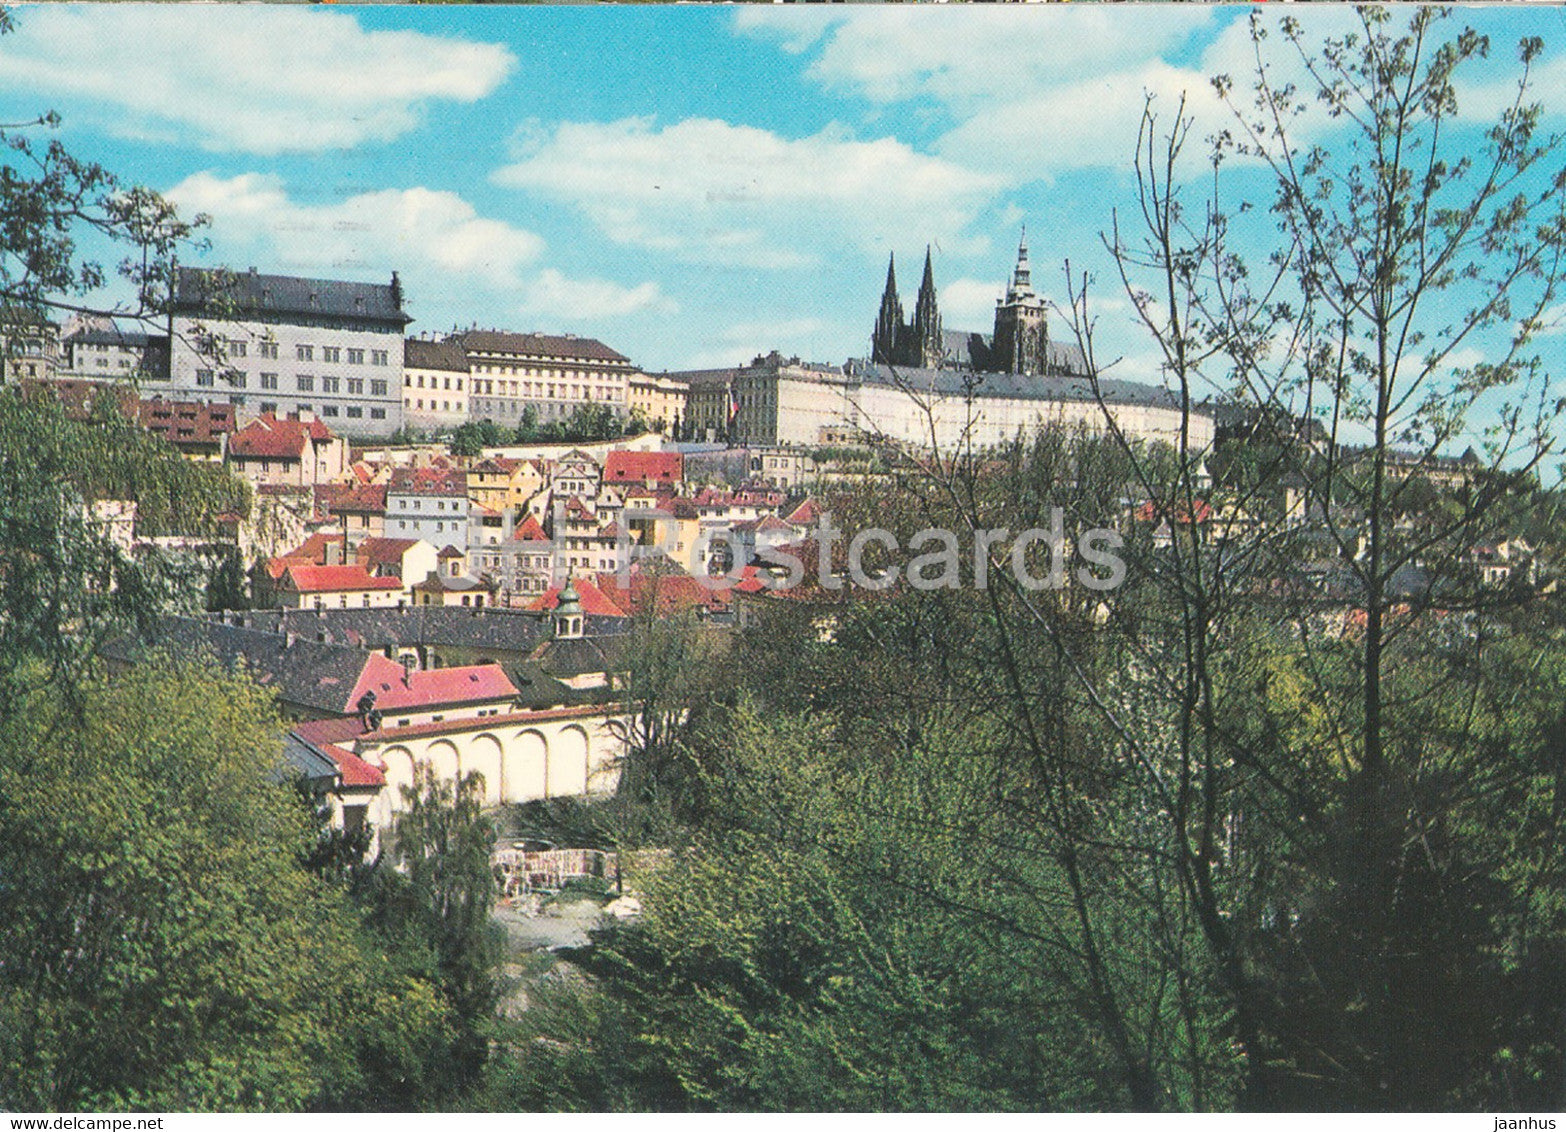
(375, 552)
(267, 437)
(428, 481)
(247, 294)
(530, 531)
(186, 422)
(307, 578)
(659, 468)
(396, 689)
(538, 346)
(593, 599)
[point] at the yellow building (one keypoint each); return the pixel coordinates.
(660, 399)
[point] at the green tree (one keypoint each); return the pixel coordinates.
(160, 947)
(434, 908)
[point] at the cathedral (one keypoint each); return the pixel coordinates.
(1019, 344)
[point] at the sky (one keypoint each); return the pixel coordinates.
(691, 185)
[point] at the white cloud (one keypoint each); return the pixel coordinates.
(554, 295)
(260, 78)
(968, 58)
(712, 192)
(449, 255)
(970, 302)
(376, 230)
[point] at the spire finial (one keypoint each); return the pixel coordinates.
(1021, 277)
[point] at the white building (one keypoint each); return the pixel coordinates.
(435, 383)
(430, 504)
(554, 373)
(280, 344)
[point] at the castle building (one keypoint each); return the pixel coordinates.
(1018, 344)
(284, 345)
(917, 343)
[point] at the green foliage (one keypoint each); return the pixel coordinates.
(160, 947)
(65, 584)
(433, 911)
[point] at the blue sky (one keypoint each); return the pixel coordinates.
(692, 185)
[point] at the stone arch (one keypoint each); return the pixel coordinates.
(444, 760)
(568, 762)
(484, 756)
(399, 772)
(526, 767)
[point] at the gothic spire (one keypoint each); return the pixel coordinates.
(1020, 281)
(888, 324)
(927, 318)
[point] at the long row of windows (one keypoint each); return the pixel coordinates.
(411, 382)
(352, 412)
(304, 382)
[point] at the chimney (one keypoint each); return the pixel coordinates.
(408, 665)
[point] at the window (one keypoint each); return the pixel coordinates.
(304, 353)
(328, 410)
(268, 349)
(236, 378)
(377, 414)
(355, 412)
(203, 377)
(377, 388)
(269, 381)
(331, 354)
(303, 406)
(269, 406)
(306, 383)
(236, 349)
(356, 385)
(355, 357)
(377, 357)
(328, 385)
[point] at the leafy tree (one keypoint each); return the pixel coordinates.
(160, 947)
(433, 910)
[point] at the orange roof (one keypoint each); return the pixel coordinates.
(530, 531)
(594, 600)
(268, 437)
(307, 579)
(644, 467)
(314, 549)
(384, 551)
(396, 690)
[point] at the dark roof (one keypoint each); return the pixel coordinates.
(304, 671)
(577, 656)
(500, 630)
(547, 345)
(109, 336)
(239, 294)
(420, 353)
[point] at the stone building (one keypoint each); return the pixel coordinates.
(280, 344)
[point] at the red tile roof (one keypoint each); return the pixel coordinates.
(384, 551)
(266, 437)
(309, 579)
(186, 422)
(396, 690)
(529, 531)
(594, 600)
(664, 468)
(328, 735)
(315, 549)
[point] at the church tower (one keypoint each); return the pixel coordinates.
(925, 348)
(1020, 326)
(889, 323)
